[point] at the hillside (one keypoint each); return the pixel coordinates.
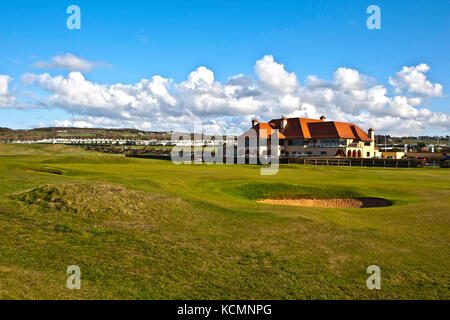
(79, 133)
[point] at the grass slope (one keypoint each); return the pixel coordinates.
(148, 229)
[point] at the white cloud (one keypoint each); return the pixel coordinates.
(201, 76)
(70, 62)
(274, 76)
(161, 104)
(349, 79)
(413, 79)
(77, 95)
(7, 99)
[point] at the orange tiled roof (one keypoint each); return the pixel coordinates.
(263, 130)
(303, 128)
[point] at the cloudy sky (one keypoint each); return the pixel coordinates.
(165, 65)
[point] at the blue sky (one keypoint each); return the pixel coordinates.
(137, 40)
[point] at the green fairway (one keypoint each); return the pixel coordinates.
(149, 229)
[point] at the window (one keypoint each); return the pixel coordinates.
(296, 142)
(323, 152)
(368, 154)
(326, 143)
(263, 142)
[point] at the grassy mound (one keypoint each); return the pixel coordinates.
(257, 191)
(91, 199)
(89, 159)
(39, 149)
(45, 170)
(59, 148)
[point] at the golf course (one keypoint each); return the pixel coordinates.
(150, 229)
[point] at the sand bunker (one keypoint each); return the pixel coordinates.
(331, 203)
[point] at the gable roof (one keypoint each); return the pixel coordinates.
(323, 130)
(263, 131)
(295, 127)
(304, 128)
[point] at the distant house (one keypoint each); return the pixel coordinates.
(393, 155)
(316, 137)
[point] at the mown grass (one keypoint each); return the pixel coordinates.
(148, 229)
(256, 191)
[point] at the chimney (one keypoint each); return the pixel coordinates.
(283, 122)
(372, 134)
(322, 118)
(254, 122)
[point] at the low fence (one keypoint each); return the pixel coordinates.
(444, 163)
(430, 156)
(199, 158)
(357, 162)
(361, 162)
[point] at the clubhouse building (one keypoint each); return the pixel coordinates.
(312, 137)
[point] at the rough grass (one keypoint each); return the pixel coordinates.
(148, 229)
(91, 199)
(93, 159)
(38, 149)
